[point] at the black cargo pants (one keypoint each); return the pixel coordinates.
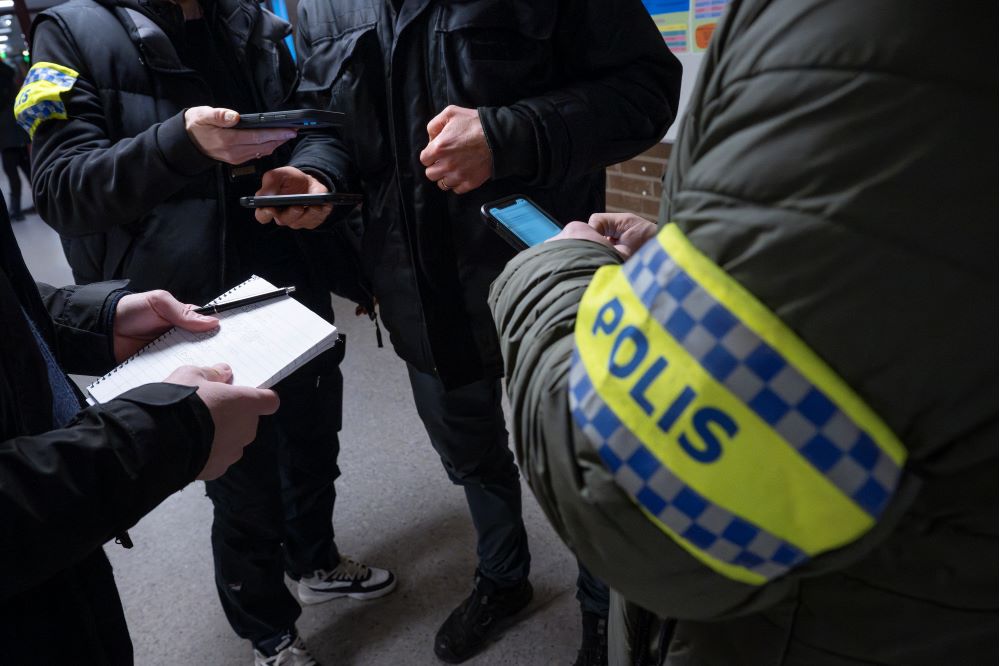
(274, 508)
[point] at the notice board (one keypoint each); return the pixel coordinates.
(687, 27)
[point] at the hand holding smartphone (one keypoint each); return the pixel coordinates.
(300, 119)
(285, 200)
(520, 221)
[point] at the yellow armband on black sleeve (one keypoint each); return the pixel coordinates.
(40, 98)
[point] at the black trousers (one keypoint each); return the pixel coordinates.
(15, 158)
(273, 508)
(466, 428)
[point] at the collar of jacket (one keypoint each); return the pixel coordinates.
(152, 22)
(410, 10)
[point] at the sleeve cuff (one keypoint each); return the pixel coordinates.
(110, 309)
(320, 176)
(178, 150)
(339, 213)
(191, 420)
(571, 258)
(511, 130)
(580, 253)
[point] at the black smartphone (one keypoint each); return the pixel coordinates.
(285, 200)
(301, 119)
(520, 221)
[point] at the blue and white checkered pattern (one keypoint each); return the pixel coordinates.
(40, 111)
(719, 533)
(42, 73)
(763, 379)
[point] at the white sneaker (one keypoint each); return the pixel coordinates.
(293, 654)
(348, 579)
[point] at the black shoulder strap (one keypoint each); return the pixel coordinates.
(158, 52)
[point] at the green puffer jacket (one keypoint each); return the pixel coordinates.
(836, 160)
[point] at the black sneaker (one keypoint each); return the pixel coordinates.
(481, 617)
(594, 648)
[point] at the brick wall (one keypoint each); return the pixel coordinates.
(634, 186)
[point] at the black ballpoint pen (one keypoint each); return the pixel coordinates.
(240, 302)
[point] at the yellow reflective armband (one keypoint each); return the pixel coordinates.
(727, 430)
(40, 98)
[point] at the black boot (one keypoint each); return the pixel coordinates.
(481, 617)
(594, 647)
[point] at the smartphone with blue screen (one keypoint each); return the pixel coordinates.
(520, 221)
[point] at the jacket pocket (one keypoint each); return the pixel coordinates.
(495, 52)
(345, 72)
(331, 54)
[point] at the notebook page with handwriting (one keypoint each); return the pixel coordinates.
(263, 343)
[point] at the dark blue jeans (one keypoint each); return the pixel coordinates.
(466, 428)
(592, 592)
(274, 508)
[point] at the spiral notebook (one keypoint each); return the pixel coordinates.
(263, 343)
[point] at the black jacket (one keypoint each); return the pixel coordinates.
(65, 492)
(120, 180)
(563, 89)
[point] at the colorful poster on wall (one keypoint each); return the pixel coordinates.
(686, 25)
(672, 17)
(706, 16)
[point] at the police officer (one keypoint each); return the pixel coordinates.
(774, 419)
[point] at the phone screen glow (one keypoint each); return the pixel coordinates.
(526, 222)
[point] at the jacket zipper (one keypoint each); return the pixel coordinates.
(399, 191)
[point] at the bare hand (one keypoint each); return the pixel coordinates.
(580, 231)
(208, 129)
(627, 232)
(236, 411)
(289, 180)
(458, 158)
(141, 318)
(362, 310)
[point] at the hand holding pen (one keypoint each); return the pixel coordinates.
(240, 302)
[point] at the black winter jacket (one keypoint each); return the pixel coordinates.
(563, 89)
(65, 492)
(120, 179)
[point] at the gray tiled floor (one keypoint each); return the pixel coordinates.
(395, 508)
